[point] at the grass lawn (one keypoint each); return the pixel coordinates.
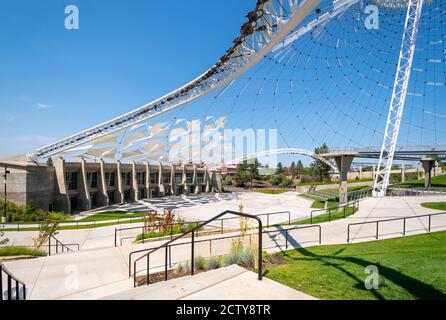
(438, 181)
(113, 215)
(326, 217)
(20, 251)
(321, 204)
(435, 205)
(272, 191)
(411, 267)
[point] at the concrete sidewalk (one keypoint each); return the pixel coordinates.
(91, 272)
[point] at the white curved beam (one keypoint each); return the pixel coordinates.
(269, 23)
(267, 153)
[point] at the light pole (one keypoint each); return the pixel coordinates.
(5, 176)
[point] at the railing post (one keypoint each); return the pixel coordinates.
(430, 218)
(344, 211)
(17, 290)
(143, 236)
(9, 288)
(320, 235)
(289, 218)
(267, 220)
(57, 247)
(221, 226)
(165, 264)
(260, 275)
(404, 226)
(311, 217)
(49, 245)
(348, 234)
(148, 270)
(192, 254)
(24, 291)
(286, 239)
(377, 229)
(329, 215)
(115, 237)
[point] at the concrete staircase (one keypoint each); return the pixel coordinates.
(228, 283)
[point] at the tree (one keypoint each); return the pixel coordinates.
(293, 169)
(319, 168)
(47, 229)
(280, 169)
(247, 172)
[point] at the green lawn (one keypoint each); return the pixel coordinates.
(321, 204)
(326, 217)
(411, 267)
(20, 251)
(272, 191)
(438, 181)
(113, 215)
(435, 205)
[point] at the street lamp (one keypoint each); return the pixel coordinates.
(5, 177)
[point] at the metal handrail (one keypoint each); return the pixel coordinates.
(393, 219)
(192, 232)
(355, 208)
(9, 280)
(210, 240)
(197, 223)
(63, 246)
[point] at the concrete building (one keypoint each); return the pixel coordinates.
(84, 185)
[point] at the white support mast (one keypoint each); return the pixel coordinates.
(398, 97)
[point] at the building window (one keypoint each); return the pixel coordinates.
(71, 179)
(110, 179)
(166, 177)
(94, 200)
(126, 178)
(200, 177)
(154, 178)
(142, 193)
(189, 177)
(73, 203)
(111, 196)
(178, 178)
(127, 195)
(92, 178)
(141, 178)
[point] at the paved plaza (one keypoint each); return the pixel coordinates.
(99, 269)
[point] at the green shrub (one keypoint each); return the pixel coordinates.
(240, 254)
(199, 263)
(20, 251)
(213, 263)
(30, 213)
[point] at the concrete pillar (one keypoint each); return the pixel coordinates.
(343, 163)
(120, 187)
(160, 180)
(147, 179)
(206, 179)
(194, 181)
(105, 201)
(134, 182)
(428, 164)
(62, 197)
(85, 190)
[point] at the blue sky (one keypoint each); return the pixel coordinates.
(55, 82)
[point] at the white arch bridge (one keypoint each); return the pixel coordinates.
(272, 152)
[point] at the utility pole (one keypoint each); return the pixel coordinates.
(5, 176)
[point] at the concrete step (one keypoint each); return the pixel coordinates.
(228, 283)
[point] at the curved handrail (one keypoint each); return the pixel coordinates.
(10, 278)
(192, 232)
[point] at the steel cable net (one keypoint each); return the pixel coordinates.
(330, 81)
(333, 84)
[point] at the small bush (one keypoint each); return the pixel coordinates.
(213, 263)
(240, 254)
(199, 263)
(20, 251)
